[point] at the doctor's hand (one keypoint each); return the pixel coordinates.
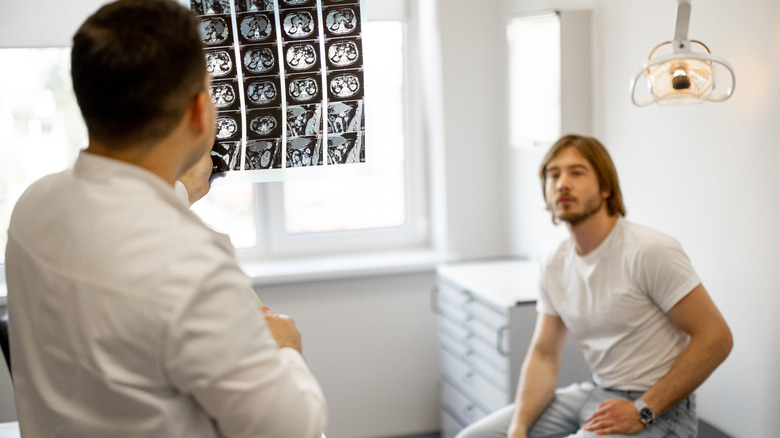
(283, 329)
(614, 416)
(196, 178)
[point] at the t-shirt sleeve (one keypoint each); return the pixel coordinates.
(664, 272)
(543, 303)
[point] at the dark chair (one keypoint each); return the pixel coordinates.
(4, 341)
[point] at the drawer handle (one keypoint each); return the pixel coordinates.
(468, 411)
(500, 339)
(467, 355)
(467, 378)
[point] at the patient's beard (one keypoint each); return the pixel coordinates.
(591, 207)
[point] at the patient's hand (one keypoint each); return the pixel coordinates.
(283, 329)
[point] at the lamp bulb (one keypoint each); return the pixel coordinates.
(681, 82)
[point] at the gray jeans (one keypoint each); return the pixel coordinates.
(570, 408)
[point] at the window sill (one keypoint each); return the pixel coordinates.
(334, 267)
(299, 270)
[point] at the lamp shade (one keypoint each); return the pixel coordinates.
(682, 77)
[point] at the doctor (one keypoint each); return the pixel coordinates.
(129, 317)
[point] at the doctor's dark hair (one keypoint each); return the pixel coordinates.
(136, 65)
(599, 158)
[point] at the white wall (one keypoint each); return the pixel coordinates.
(705, 174)
(371, 342)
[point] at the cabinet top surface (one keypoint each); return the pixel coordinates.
(504, 282)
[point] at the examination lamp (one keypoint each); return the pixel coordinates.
(682, 76)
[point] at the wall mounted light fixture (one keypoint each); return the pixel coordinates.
(682, 76)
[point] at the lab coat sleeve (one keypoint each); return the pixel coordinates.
(181, 192)
(221, 352)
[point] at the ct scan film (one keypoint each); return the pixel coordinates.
(287, 82)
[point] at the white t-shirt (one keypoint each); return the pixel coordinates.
(130, 318)
(614, 302)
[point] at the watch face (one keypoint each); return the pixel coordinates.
(646, 415)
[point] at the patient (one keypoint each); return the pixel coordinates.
(131, 318)
(629, 295)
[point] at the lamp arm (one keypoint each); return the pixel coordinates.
(681, 28)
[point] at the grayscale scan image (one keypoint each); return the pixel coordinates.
(224, 95)
(260, 60)
(219, 63)
(256, 28)
(264, 123)
(346, 85)
(225, 156)
(303, 152)
(342, 21)
(339, 2)
(286, 4)
(304, 120)
(343, 52)
(210, 7)
(346, 148)
(345, 117)
(303, 89)
(263, 154)
(215, 31)
(228, 126)
(298, 24)
(302, 56)
(254, 5)
(262, 92)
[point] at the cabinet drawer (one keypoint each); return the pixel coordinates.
(449, 425)
(454, 329)
(491, 335)
(475, 362)
(457, 314)
(470, 304)
(452, 295)
(463, 342)
(485, 312)
(473, 381)
(463, 410)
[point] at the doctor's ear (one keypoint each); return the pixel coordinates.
(202, 114)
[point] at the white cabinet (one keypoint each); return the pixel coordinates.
(487, 313)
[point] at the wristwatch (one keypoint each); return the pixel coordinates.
(646, 413)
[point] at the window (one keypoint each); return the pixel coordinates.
(377, 210)
(535, 80)
(41, 130)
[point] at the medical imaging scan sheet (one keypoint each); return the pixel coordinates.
(287, 81)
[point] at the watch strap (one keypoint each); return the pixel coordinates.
(645, 413)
